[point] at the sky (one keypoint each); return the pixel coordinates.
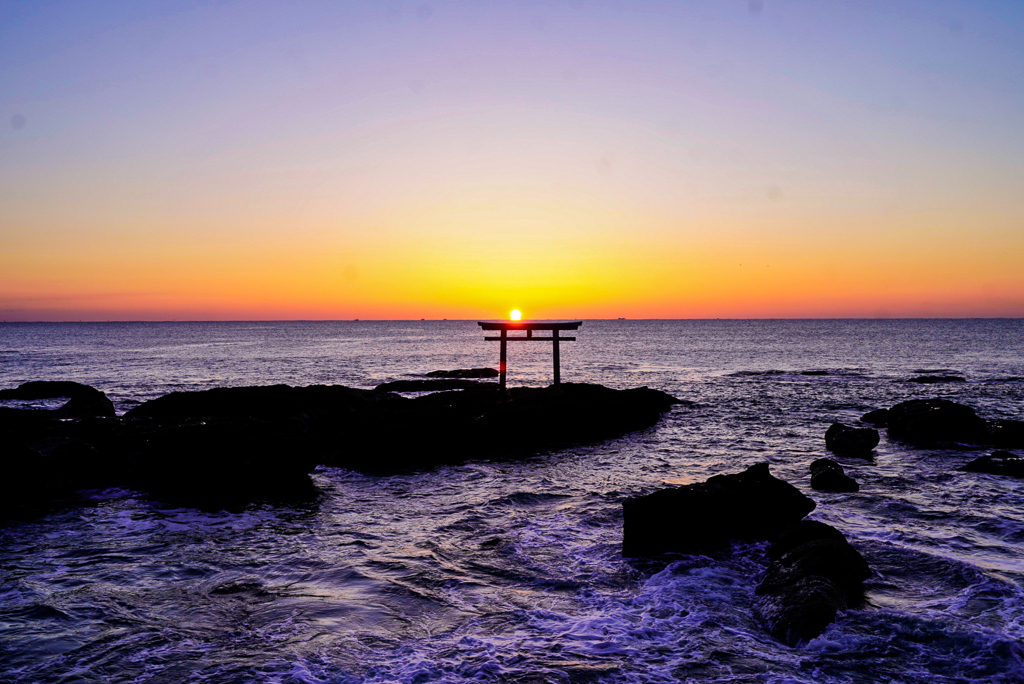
(391, 160)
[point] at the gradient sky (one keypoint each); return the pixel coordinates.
(311, 160)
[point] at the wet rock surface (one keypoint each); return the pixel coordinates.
(814, 574)
(83, 401)
(708, 515)
(851, 441)
(933, 421)
(829, 476)
(227, 447)
(997, 463)
(935, 379)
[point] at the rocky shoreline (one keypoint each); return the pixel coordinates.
(226, 447)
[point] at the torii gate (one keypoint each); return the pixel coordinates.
(505, 326)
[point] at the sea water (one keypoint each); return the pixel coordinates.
(499, 571)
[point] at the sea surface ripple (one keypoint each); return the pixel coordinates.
(512, 571)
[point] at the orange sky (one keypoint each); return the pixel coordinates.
(457, 163)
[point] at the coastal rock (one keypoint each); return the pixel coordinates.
(464, 373)
(828, 476)
(429, 385)
(844, 439)
(934, 379)
(83, 401)
(878, 417)
(997, 463)
(814, 574)
(933, 421)
(225, 447)
(700, 517)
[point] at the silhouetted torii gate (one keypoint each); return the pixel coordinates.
(505, 326)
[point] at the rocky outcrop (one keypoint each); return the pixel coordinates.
(850, 441)
(83, 401)
(814, 574)
(227, 447)
(829, 476)
(701, 517)
(927, 422)
(997, 463)
(464, 373)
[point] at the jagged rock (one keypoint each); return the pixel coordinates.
(997, 463)
(933, 421)
(83, 401)
(809, 582)
(828, 476)
(844, 439)
(700, 517)
(464, 373)
(429, 385)
(933, 379)
(878, 417)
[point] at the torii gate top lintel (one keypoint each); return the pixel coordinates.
(529, 326)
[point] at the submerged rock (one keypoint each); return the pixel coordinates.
(933, 421)
(878, 417)
(83, 401)
(829, 476)
(464, 373)
(814, 574)
(700, 517)
(997, 463)
(933, 379)
(844, 439)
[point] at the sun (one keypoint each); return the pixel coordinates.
(516, 315)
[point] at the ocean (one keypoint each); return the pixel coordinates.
(511, 571)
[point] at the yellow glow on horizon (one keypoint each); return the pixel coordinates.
(516, 315)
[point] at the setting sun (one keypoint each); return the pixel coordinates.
(516, 314)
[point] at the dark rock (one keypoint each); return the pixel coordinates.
(814, 574)
(819, 465)
(464, 373)
(429, 385)
(879, 417)
(801, 533)
(701, 517)
(1008, 434)
(83, 401)
(844, 439)
(933, 379)
(834, 481)
(266, 402)
(997, 463)
(828, 476)
(227, 447)
(934, 421)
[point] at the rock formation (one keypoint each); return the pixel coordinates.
(814, 574)
(701, 517)
(851, 441)
(829, 476)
